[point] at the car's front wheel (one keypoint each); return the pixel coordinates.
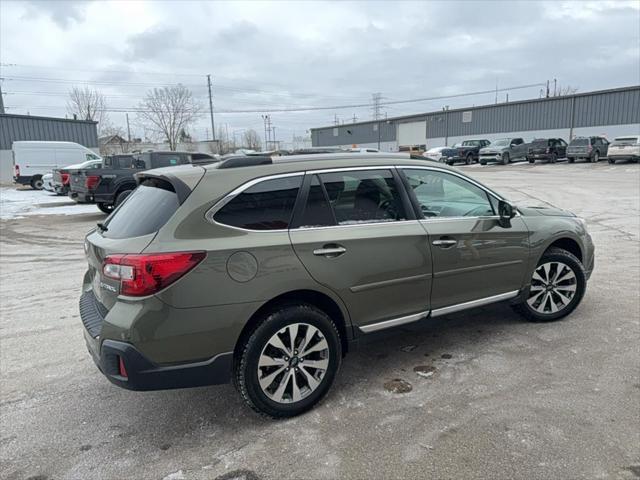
(505, 159)
(36, 182)
(289, 362)
(596, 157)
(104, 207)
(557, 286)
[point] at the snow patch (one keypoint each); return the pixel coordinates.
(16, 203)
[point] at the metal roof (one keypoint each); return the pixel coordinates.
(31, 128)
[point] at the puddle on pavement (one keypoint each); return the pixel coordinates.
(397, 385)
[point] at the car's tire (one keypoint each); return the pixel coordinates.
(274, 395)
(36, 182)
(596, 157)
(104, 207)
(557, 286)
(531, 160)
(571, 159)
(449, 163)
(468, 160)
(611, 161)
(482, 163)
(505, 159)
(122, 196)
(554, 158)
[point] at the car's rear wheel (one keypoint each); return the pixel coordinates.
(469, 159)
(557, 286)
(289, 361)
(505, 159)
(596, 157)
(483, 162)
(554, 158)
(531, 160)
(611, 161)
(36, 182)
(571, 159)
(106, 208)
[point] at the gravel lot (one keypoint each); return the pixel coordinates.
(506, 399)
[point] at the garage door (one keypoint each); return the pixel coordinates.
(412, 133)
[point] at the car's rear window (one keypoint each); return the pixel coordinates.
(145, 211)
(580, 141)
(540, 141)
(159, 160)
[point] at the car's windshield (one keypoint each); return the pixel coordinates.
(501, 143)
(471, 143)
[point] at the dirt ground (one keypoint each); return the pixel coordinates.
(483, 394)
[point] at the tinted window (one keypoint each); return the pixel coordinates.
(444, 195)
(159, 160)
(144, 211)
(365, 196)
(267, 205)
(317, 211)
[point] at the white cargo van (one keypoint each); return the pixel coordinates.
(32, 160)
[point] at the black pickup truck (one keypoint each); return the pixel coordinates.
(108, 187)
(467, 152)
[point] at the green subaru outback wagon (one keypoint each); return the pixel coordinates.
(264, 271)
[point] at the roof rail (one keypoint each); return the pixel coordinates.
(245, 161)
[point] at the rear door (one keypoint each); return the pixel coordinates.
(473, 256)
(357, 235)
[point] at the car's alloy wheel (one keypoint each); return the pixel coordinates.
(289, 361)
(557, 286)
(596, 157)
(552, 287)
(293, 363)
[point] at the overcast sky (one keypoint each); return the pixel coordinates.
(277, 55)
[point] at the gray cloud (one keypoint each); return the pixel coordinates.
(64, 13)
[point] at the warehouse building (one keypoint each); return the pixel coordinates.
(26, 127)
(609, 113)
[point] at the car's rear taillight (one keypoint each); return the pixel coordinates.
(589, 148)
(142, 275)
(65, 178)
(91, 182)
(17, 170)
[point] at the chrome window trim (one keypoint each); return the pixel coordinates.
(237, 191)
(368, 224)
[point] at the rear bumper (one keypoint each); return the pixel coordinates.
(81, 197)
(540, 156)
(490, 158)
(144, 375)
(141, 372)
(635, 158)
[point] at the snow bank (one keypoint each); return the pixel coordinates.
(16, 203)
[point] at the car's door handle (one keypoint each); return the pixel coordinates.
(329, 251)
(445, 243)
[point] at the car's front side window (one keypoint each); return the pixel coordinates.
(442, 194)
(267, 205)
(353, 197)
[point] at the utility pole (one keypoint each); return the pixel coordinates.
(355, 119)
(1, 101)
(547, 88)
(128, 128)
(213, 128)
(275, 142)
(555, 83)
(266, 119)
(335, 119)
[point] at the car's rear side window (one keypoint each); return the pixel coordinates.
(363, 196)
(317, 211)
(267, 205)
(143, 212)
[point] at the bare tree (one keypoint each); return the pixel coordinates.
(568, 90)
(251, 139)
(87, 104)
(168, 112)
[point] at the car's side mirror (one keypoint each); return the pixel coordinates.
(506, 212)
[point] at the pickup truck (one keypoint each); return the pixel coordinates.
(108, 187)
(504, 151)
(62, 176)
(467, 152)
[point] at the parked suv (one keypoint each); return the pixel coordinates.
(625, 148)
(504, 151)
(590, 149)
(550, 149)
(266, 272)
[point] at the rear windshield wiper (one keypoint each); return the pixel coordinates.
(102, 227)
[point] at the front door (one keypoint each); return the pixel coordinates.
(473, 256)
(358, 236)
